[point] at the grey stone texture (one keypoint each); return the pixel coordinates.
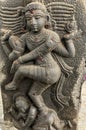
(82, 112)
(82, 25)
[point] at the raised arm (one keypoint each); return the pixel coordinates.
(13, 46)
(70, 47)
(68, 51)
(4, 36)
(18, 46)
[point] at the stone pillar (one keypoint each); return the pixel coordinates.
(82, 113)
(1, 111)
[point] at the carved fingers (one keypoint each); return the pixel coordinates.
(15, 66)
(5, 34)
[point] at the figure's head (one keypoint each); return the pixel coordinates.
(21, 102)
(36, 16)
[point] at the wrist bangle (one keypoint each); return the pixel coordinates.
(20, 59)
(3, 42)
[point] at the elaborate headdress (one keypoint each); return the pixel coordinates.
(39, 6)
(35, 6)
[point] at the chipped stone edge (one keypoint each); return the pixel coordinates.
(76, 93)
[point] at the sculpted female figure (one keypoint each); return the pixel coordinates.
(45, 71)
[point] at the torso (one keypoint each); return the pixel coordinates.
(34, 41)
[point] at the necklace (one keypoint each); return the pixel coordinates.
(38, 38)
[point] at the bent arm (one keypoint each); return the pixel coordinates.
(61, 50)
(68, 51)
(31, 116)
(14, 114)
(40, 51)
(18, 46)
(5, 48)
(70, 47)
(53, 44)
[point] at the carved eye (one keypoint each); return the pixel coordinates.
(38, 17)
(29, 18)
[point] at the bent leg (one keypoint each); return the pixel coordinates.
(30, 71)
(37, 73)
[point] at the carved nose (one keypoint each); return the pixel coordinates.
(34, 21)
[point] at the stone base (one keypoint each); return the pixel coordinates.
(6, 126)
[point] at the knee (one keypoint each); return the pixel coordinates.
(32, 94)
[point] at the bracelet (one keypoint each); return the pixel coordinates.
(20, 59)
(3, 42)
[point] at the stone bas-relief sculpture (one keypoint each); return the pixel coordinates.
(38, 55)
(25, 114)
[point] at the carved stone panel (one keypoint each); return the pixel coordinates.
(42, 63)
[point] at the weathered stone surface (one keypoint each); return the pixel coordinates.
(75, 95)
(1, 110)
(82, 113)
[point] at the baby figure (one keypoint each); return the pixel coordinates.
(23, 111)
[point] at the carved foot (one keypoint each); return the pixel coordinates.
(50, 121)
(11, 86)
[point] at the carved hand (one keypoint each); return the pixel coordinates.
(73, 35)
(5, 34)
(15, 66)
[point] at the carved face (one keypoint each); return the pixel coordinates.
(35, 20)
(21, 104)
